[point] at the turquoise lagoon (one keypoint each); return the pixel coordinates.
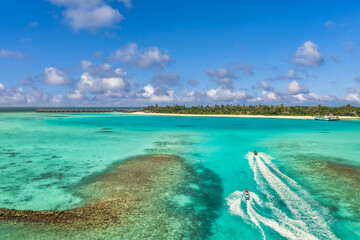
(304, 184)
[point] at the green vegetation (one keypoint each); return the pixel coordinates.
(257, 110)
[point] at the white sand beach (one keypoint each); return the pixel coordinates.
(240, 116)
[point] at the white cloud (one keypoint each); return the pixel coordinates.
(291, 74)
(220, 73)
(300, 97)
(127, 3)
(353, 95)
(244, 67)
(308, 54)
(54, 76)
(224, 94)
(269, 96)
(264, 85)
(103, 82)
(11, 54)
(20, 96)
(102, 78)
(223, 76)
(75, 95)
(193, 82)
(57, 98)
(144, 58)
(93, 84)
(88, 14)
(295, 88)
(153, 94)
(166, 79)
(317, 97)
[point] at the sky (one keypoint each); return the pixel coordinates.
(140, 52)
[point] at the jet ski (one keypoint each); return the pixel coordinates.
(247, 196)
(255, 153)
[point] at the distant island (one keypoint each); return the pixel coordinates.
(255, 110)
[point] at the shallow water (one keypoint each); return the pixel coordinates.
(304, 184)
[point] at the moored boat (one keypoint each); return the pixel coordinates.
(319, 118)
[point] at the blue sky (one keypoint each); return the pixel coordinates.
(138, 52)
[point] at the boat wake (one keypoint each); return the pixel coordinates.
(287, 209)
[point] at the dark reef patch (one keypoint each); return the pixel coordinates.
(47, 175)
(12, 154)
(135, 198)
(334, 180)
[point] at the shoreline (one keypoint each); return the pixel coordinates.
(239, 116)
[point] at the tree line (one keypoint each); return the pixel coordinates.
(259, 109)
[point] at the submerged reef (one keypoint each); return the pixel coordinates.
(151, 196)
(334, 180)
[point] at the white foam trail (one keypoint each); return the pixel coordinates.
(305, 223)
(297, 205)
(294, 184)
(250, 214)
(253, 218)
(234, 203)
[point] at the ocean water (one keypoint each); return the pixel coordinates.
(304, 184)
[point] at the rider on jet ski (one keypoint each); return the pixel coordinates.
(246, 195)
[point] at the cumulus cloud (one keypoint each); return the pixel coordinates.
(127, 3)
(11, 96)
(193, 82)
(11, 54)
(28, 81)
(89, 14)
(98, 85)
(244, 67)
(353, 95)
(143, 57)
(269, 96)
(101, 83)
(291, 74)
(308, 55)
(54, 76)
(264, 85)
(152, 94)
(75, 95)
(166, 79)
(220, 73)
(223, 76)
(57, 99)
(295, 88)
(226, 95)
